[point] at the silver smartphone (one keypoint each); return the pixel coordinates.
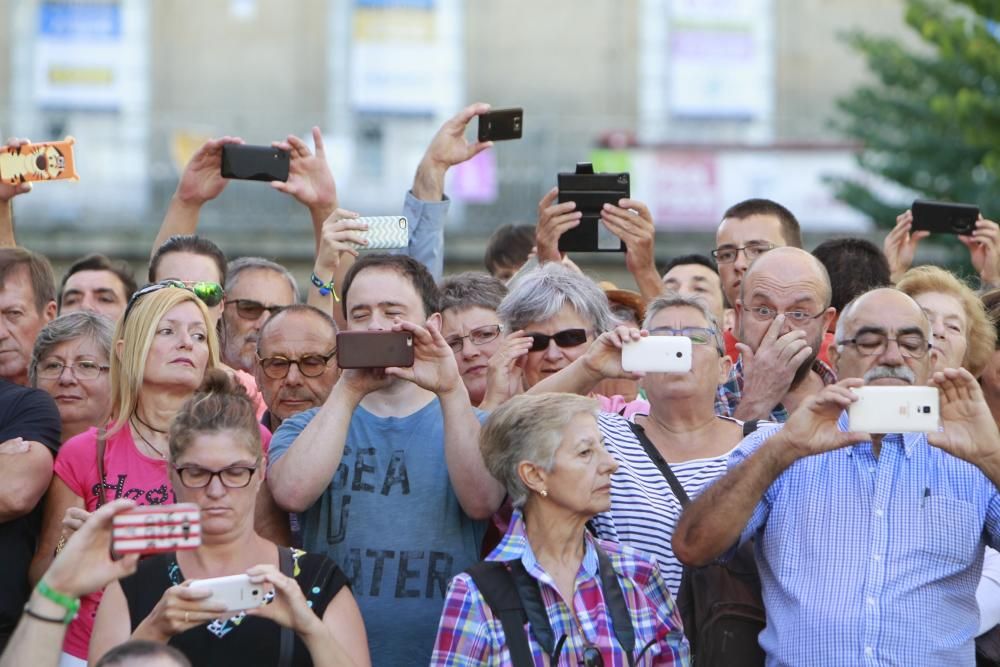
(237, 592)
(658, 354)
(895, 410)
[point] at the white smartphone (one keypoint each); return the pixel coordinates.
(236, 591)
(386, 232)
(658, 354)
(895, 410)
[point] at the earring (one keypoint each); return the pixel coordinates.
(544, 493)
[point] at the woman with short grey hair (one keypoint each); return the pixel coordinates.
(547, 451)
(70, 361)
(562, 311)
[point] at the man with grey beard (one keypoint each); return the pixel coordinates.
(879, 536)
(782, 313)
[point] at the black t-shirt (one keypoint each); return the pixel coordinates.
(241, 640)
(32, 415)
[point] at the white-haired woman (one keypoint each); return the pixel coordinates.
(547, 451)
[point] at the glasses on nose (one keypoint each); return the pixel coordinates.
(51, 369)
(766, 314)
(478, 336)
(564, 338)
(728, 254)
(249, 309)
(872, 344)
(309, 365)
(698, 335)
(211, 294)
(233, 477)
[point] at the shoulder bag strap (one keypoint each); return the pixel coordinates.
(661, 463)
(286, 643)
(496, 584)
(621, 620)
(750, 426)
(101, 446)
(534, 609)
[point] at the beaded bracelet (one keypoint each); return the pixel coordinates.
(325, 289)
(70, 604)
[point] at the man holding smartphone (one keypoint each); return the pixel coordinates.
(386, 474)
(881, 538)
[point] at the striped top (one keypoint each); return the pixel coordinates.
(644, 510)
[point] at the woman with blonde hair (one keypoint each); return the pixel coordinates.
(162, 347)
(962, 334)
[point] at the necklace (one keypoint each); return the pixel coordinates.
(141, 421)
(143, 438)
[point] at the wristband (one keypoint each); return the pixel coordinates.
(325, 289)
(34, 614)
(70, 604)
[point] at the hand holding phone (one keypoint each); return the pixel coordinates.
(944, 217)
(374, 349)
(236, 592)
(590, 192)
(47, 161)
(385, 232)
(254, 163)
(501, 124)
(658, 354)
(888, 409)
(151, 529)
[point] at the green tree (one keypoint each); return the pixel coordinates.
(930, 119)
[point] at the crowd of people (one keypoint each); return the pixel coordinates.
(516, 496)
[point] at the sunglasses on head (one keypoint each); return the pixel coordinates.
(564, 338)
(211, 294)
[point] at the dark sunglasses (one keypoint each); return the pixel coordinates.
(249, 309)
(211, 294)
(564, 338)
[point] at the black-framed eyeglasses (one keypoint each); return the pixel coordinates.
(751, 251)
(564, 338)
(248, 309)
(233, 477)
(211, 294)
(478, 336)
(85, 369)
(309, 365)
(872, 344)
(698, 335)
(766, 314)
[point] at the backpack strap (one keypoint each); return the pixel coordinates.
(534, 608)
(621, 621)
(496, 584)
(661, 463)
(286, 642)
(102, 441)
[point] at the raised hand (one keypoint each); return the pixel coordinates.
(447, 148)
(554, 220)
(7, 191)
(900, 245)
(812, 428)
(505, 371)
(288, 608)
(768, 372)
(434, 366)
(984, 250)
(603, 359)
(968, 429)
(310, 180)
(202, 179)
(340, 231)
(632, 222)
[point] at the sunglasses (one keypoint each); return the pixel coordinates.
(249, 309)
(211, 294)
(564, 338)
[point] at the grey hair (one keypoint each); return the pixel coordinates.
(78, 324)
(241, 264)
(541, 294)
(528, 428)
(472, 289)
(674, 300)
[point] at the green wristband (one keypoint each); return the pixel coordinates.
(70, 604)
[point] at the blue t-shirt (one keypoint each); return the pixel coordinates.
(391, 520)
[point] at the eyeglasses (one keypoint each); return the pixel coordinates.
(310, 365)
(751, 251)
(211, 294)
(52, 369)
(478, 336)
(249, 309)
(766, 314)
(872, 344)
(698, 335)
(233, 477)
(564, 338)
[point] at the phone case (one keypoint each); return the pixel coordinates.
(944, 217)
(154, 529)
(254, 163)
(501, 125)
(374, 349)
(385, 232)
(49, 161)
(895, 410)
(236, 591)
(591, 192)
(658, 354)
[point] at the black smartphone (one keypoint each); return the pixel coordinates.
(500, 125)
(254, 163)
(591, 192)
(374, 349)
(944, 217)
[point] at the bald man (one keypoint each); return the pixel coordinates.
(878, 536)
(782, 312)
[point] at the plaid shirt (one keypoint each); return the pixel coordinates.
(730, 393)
(469, 634)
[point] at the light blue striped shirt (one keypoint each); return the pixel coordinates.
(869, 561)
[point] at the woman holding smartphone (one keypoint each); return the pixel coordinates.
(216, 462)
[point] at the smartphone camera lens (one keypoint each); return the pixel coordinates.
(255, 592)
(927, 409)
(679, 354)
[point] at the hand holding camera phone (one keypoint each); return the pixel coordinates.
(887, 409)
(944, 218)
(152, 529)
(255, 163)
(658, 354)
(374, 349)
(385, 232)
(501, 125)
(590, 192)
(237, 592)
